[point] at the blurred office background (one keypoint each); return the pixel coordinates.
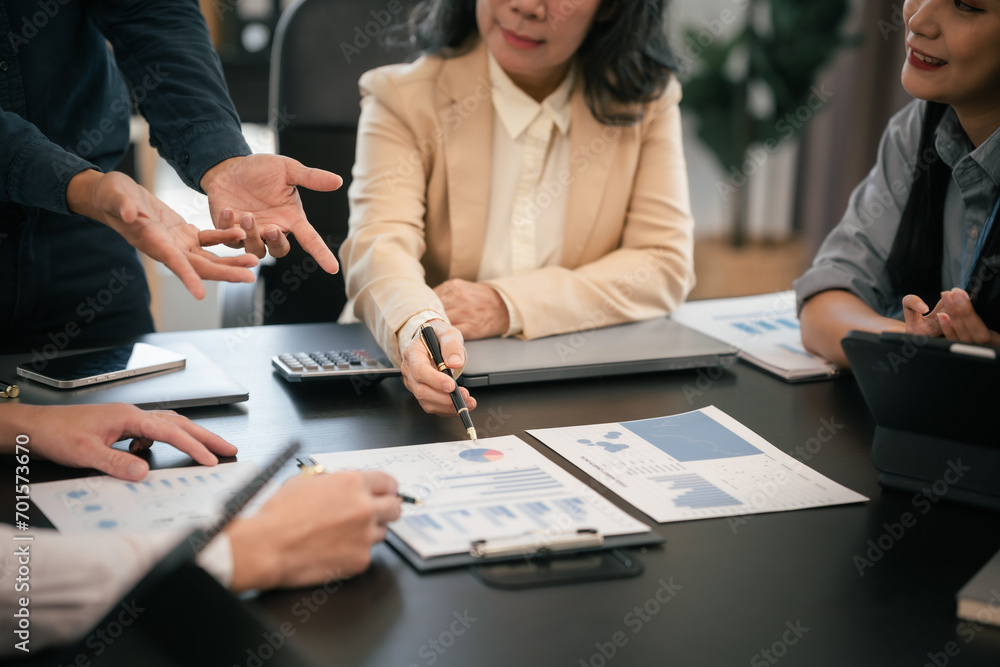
(794, 194)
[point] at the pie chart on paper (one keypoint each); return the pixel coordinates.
(481, 455)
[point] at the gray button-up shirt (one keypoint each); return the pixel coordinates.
(853, 257)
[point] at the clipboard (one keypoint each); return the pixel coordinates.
(525, 561)
(498, 500)
(527, 550)
(181, 614)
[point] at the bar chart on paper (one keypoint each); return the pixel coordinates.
(765, 329)
(504, 490)
(167, 498)
(694, 465)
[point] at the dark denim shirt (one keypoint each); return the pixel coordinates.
(64, 107)
(66, 281)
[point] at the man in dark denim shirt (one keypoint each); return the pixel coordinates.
(70, 280)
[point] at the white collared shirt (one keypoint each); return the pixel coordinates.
(529, 177)
(529, 187)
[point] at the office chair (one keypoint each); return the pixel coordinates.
(321, 49)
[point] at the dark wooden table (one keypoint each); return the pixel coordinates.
(847, 585)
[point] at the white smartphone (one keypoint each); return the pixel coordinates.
(115, 363)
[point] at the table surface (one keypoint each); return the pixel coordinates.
(846, 585)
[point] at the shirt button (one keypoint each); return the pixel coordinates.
(185, 158)
(3, 65)
(974, 233)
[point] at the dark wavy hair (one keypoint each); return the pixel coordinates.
(625, 59)
(914, 263)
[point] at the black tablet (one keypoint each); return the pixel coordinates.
(933, 401)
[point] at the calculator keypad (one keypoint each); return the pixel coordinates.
(296, 366)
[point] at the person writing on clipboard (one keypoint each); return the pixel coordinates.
(312, 530)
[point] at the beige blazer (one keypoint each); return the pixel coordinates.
(420, 197)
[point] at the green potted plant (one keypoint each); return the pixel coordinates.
(755, 90)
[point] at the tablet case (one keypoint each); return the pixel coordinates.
(933, 402)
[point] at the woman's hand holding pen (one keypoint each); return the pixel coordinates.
(430, 386)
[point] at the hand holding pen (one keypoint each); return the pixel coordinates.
(430, 340)
(310, 469)
(421, 376)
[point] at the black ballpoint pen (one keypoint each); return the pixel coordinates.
(430, 340)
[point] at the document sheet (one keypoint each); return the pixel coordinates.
(694, 465)
(764, 328)
(495, 488)
(166, 498)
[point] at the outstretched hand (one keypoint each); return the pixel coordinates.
(154, 228)
(81, 435)
(258, 194)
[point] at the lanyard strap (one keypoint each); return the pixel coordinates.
(980, 242)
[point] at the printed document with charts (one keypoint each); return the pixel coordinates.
(496, 488)
(166, 498)
(694, 465)
(764, 328)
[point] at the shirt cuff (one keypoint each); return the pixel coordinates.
(409, 330)
(516, 324)
(217, 559)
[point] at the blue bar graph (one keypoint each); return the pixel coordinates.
(701, 494)
(503, 482)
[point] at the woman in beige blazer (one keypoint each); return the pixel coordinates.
(604, 195)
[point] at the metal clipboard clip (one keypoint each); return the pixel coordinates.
(536, 544)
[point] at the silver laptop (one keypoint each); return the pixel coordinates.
(199, 383)
(639, 347)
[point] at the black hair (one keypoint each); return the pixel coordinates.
(625, 59)
(917, 253)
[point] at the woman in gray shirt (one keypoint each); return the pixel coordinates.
(914, 250)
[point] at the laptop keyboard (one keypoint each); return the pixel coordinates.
(299, 366)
